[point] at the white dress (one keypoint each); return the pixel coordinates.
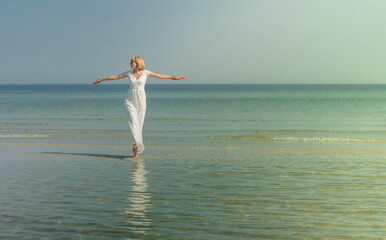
(136, 106)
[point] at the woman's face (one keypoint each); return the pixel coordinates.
(133, 65)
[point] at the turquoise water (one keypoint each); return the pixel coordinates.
(214, 115)
(221, 162)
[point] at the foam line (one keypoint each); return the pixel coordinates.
(208, 148)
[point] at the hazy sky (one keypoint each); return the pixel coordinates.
(207, 41)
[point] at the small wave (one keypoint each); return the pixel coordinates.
(21, 124)
(175, 119)
(117, 119)
(18, 91)
(63, 130)
(23, 136)
(306, 139)
(67, 119)
(333, 151)
(314, 131)
(326, 140)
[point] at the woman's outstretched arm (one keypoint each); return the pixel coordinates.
(114, 77)
(163, 76)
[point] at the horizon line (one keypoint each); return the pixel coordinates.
(199, 83)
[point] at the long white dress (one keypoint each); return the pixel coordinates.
(136, 106)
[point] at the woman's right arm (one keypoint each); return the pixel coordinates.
(114, 77)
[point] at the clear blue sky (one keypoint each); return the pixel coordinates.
(208, 41)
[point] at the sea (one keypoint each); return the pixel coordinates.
(232, 161)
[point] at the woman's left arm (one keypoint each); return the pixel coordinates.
(163, 76)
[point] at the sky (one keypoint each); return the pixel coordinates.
(206, 41)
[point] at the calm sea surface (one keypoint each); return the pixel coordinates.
(221, 162)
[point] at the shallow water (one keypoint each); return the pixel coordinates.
(88, 192)
(291, 162)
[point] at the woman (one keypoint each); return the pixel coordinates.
(136, 97)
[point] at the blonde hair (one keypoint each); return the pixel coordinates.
(140, 63)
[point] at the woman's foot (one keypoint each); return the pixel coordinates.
(135, 149)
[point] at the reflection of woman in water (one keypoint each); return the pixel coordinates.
(136, 97)
(139, 198)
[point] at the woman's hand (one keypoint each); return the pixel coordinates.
(97, 81)
(180, 78)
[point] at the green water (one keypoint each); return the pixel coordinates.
(222, 162)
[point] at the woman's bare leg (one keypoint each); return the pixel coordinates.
(135, 149)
